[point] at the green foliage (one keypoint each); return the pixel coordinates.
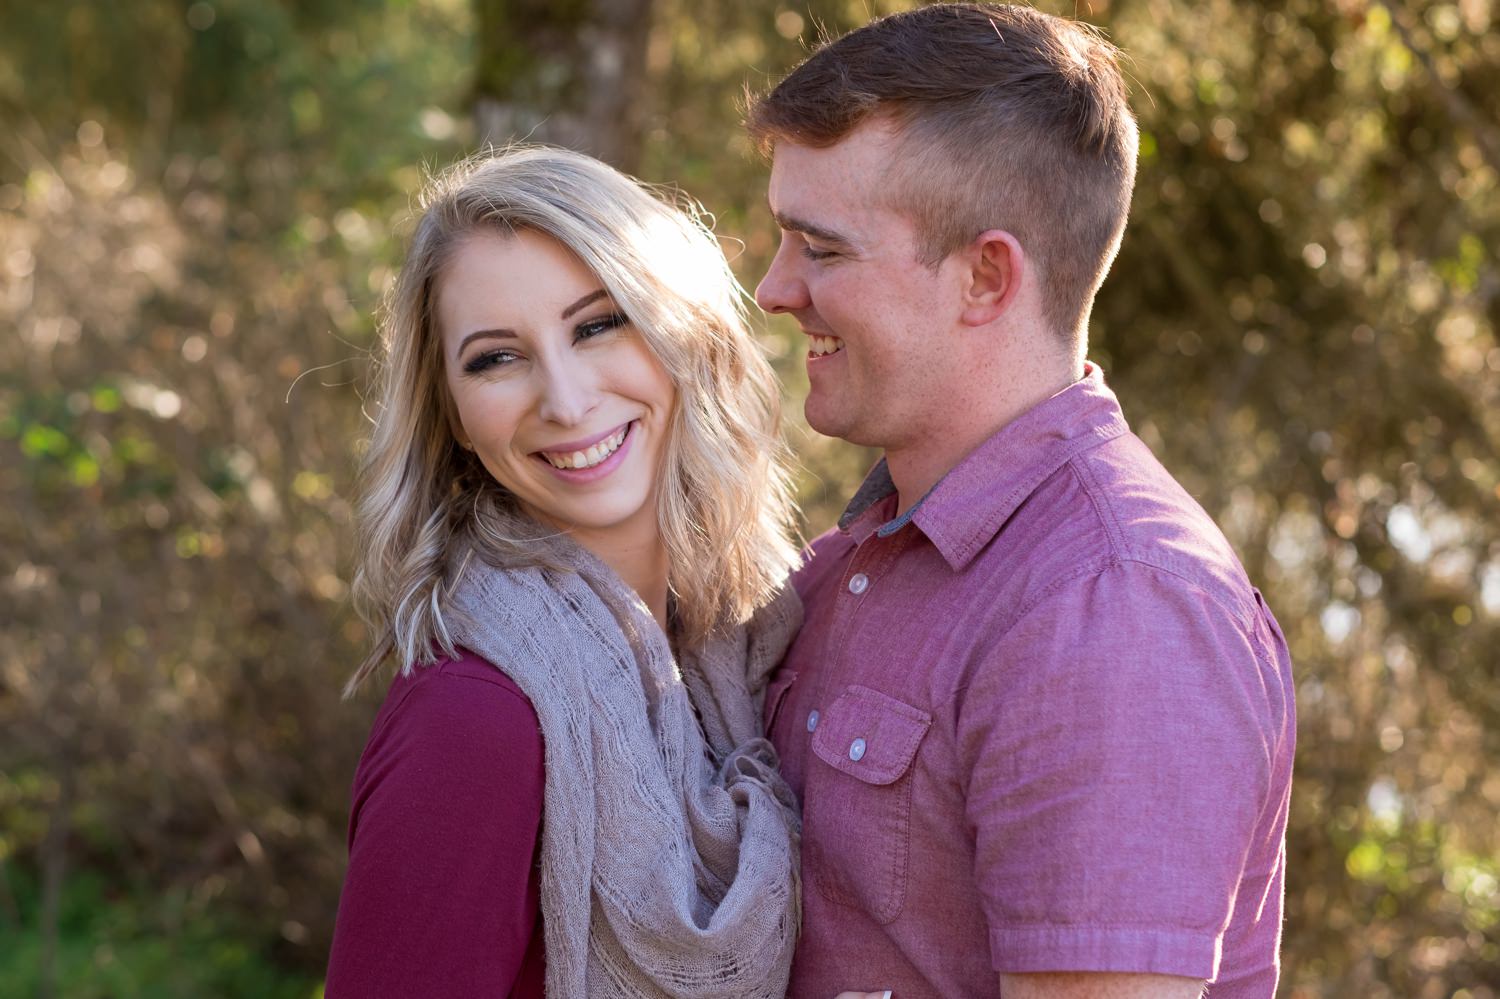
(190, 260)
(123, 944)
(1306, 269)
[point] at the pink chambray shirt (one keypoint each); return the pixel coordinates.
(1043, 722)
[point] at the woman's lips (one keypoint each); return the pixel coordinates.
(603, 454)
(582, 444)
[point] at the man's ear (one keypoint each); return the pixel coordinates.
(995, 264)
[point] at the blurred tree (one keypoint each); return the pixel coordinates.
(185, 220)
(571, 73)
(1303, 322)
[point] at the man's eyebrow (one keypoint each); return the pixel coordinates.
(793, 224)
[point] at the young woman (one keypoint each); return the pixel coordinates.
(574, 529)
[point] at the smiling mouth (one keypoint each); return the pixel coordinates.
(589, 456)
(822, 346)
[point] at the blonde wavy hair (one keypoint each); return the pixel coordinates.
(725, 506)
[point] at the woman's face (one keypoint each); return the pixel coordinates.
(555, 390)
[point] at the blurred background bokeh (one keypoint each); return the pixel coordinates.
(202, 202)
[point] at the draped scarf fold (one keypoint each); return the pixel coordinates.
(669, 840)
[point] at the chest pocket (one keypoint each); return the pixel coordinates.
(857, 807)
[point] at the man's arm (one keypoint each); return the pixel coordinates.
(1117, 745)
(1071, 985)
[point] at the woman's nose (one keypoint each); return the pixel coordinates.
(568, 394)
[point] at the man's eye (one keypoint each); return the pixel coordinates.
(600, 326)
(813, 253)
(487, 360)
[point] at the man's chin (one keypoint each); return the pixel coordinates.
(821, 417)
(832, 422)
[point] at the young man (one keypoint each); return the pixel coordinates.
(1040, 721)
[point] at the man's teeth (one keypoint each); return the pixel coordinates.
(824, 345)
(590, 456)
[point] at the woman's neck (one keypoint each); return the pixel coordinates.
(633, 548)
(638, 557)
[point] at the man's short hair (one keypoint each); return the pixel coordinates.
(1008, 119)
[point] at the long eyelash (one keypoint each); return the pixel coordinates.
(596, 327)
(483, 362)
(585, 331)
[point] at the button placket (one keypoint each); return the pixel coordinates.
(871, 557)
(875, 553)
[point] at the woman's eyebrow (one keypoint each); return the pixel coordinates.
(588, 299)
(507, 334)
(498, 334)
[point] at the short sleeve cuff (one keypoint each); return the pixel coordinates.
(1030, 949)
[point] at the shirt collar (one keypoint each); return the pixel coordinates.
(969, 505)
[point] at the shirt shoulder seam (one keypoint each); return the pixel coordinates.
(1098, 567)
(1103, 510)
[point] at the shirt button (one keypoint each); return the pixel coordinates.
(857, 750)
(858, 583)
(812, 721)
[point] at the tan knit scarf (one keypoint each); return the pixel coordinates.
(669, 849)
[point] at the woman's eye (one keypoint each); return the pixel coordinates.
(600, 326)
(487, 360)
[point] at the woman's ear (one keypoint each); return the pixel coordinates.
(459, 435)
(455, 425)
(995, 264)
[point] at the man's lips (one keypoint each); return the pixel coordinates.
(820, 345)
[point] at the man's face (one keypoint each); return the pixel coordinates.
(877, 318)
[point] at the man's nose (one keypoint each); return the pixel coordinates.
(782, 289)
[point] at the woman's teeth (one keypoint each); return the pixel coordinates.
(824, 345)
(590, 456)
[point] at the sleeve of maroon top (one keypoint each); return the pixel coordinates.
(441, 894)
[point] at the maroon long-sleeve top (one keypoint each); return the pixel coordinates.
(441, 897)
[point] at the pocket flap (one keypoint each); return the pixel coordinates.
(869, 735)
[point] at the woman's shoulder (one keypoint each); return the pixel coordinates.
(468, 676)
(458, 704)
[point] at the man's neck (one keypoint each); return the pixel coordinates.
(917, 467)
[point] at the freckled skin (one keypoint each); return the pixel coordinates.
(934, 359)
(1080, 985)
(885, 304)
